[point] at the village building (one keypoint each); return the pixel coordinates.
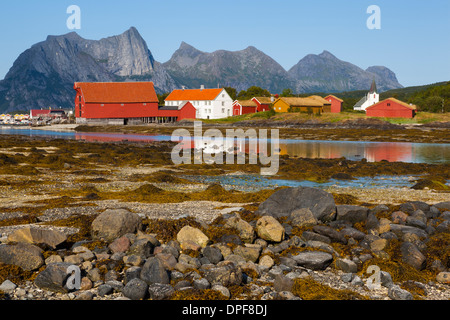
(293, 104)
(369, 99)
(241, 107)
(122, 103)
(209, 103)
(336, 104)
(263, 103)
(391, 108)
(47, 114)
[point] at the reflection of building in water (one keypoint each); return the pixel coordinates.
(350, 150)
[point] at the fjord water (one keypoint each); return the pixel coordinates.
(324, 149)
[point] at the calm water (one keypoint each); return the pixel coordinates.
(352, 150)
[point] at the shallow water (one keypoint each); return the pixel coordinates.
(352, 150)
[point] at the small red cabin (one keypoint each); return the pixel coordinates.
(241, 107)
(336, 103)
(391, 108)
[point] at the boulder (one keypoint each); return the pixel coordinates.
(302, 218)
(314, 260)
(346, 265)
(120, 245)
(112, 224)
(213, 254)
(135, 289)
(153, 271)
(159, 291)
(283, 202)
(24, 255)
(351, 213)
(188, 233)
(268, 228)
(225, 273)
(443, 277)
(412, 255)
(52, 238)
(397, 293)
(246, 232)
(250, 252)
(54, 277)
(332, 234)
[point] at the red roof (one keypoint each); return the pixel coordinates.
(117, 92)
(39, 112)
(193, 94)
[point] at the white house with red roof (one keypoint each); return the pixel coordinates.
(209, 103)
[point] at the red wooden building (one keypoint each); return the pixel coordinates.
(336, 103)
(124, 103)
(263, 103)
(241, 107)
(391, 108)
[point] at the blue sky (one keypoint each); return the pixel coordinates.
(414, 39)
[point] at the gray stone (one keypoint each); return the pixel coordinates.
(249, 252)
(114, 223)
(283, 202)
(353, 233)
(201, 284)
(283, 283)
(351, 213)
(104, 290)
(52, 238)
(153, 271)
(222, 289)
(160, 291)
(346, 265)
(315, 260)
(24, 255)
(132, 273)
(226, 273)
(7, 286)
(213, 254)
(302, 217)
(397, 293)
(141, 247)
(53, 277)
(386, 279)
(135, 289)
(412, 255)
(334, 235)
(312, 236)
(443, 205)
(347, 277)
(246, 231)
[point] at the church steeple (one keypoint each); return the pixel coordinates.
(373, 87)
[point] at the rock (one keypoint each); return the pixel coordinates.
(283, 202)
(135, 289)
(114, 223)
(246, 231)
(201, 284)
(141, 247)
(374, 243)
(168, 260)
(222, 289)
(250, 252)
(399, 230)
(443, 205)
(386, 279)
(442, 277)
(312, 236)
(266, 262)
(268, 228)
(283, 283)
(104, 290)
(84, 296)
(24, 255)
(49, 237)
(315, 260)
(353, 233)
(7, 286)
(120, 245)
(213, 254)
(334, 235)
(412, 255)
(346, 265)
(226, 273)
(351, 213)
(188, 233)
(153, 271)
(302, 218)
(54, 277)
(411, 206)
(414, 222)
(160, 291)
(397, 293)
(399, 217)
(54, 258)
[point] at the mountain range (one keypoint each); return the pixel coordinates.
(43, 75)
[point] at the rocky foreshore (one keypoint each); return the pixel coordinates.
(298, 244)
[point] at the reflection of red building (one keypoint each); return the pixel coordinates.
(124, 103)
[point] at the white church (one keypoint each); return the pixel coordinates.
(371, 98)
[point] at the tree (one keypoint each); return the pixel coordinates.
(231, 92)
(162, 98)
(287, 93)
(253, 91)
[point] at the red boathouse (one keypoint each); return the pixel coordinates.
(391, 108)
(336, 103)
(123, 103)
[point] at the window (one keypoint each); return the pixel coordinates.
(223, 103)
(389, 104)
(223, 110)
